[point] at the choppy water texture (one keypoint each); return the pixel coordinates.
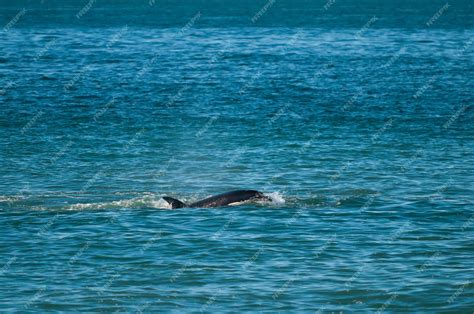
(355, 116)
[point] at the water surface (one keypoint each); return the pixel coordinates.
(355, 118)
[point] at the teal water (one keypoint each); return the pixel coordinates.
(356, 118)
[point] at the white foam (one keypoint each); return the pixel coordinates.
(276, 198)
(11, 198)
(137, 202)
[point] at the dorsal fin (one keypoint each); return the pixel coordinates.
(174, 202)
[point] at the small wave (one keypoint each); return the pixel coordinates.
(152, 201)
(4, 198)
(11, 199)
(137, 202)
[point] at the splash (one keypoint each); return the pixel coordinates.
(276, 197)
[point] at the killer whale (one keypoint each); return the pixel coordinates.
(220, 200)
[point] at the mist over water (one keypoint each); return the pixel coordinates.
(354, 117)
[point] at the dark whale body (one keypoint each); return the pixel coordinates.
(220, 200)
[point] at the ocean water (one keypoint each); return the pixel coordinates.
(355, 117)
